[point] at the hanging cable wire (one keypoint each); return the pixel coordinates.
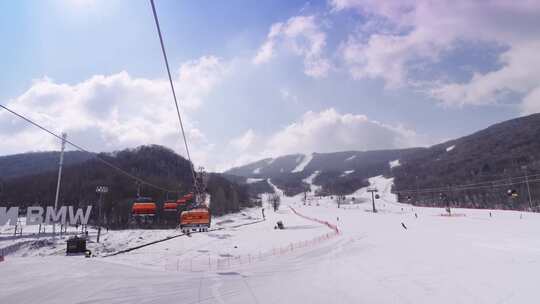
(172, 89)
(485, 184)
(467, 187)
(78, 147)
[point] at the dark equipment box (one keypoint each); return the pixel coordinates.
(76, 245)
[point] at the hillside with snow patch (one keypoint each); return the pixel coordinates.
(339, 172)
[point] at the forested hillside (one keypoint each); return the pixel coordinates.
(156, 164)
(38, 162)
(337, 173)
(494, 160)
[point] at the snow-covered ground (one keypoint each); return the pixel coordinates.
(309, 180)
(350, 158)
(347, 172)
(402, 254)
(394, 163)
(254, 180)
(302, 165)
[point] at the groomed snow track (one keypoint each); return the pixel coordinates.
(173, 237)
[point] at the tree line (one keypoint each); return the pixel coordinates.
(155, 164)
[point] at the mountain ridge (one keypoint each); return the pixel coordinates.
(155, 164)
(502, 149)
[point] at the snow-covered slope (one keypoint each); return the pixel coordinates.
(394, 163)
(302, 165)
(402, 254)
(340, 171)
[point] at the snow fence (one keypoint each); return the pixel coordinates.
(328, 224)
(209, 263)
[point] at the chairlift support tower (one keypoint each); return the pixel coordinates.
(373, 190)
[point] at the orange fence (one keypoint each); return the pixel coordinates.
(331, 226)
(207, 263)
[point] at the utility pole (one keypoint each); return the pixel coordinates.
(528, 188)
(100, 190)
(373, 190)
(528, 191)
(60, 164)
(417, 192)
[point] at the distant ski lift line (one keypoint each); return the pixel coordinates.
(482, 185)
(78, 147)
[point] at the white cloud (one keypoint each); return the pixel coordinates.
(531, 103)
(520, 73)
(105, 113)
(422, 31)
(197, 78)
(301, 35)
(244, 142)
(325, 131)
(330, 131)
(266, 51)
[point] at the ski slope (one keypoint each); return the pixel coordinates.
(469, 258)
(302, 165)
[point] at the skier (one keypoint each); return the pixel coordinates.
(264, 217)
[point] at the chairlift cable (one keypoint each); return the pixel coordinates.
(80, 148)
(173, 90)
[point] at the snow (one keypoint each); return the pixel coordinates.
(302, 165)
(276, 189)
(309, 180)
(475, 258)
(257, 171)
(347, 172)
(450, 148)
(351, 158)
(394, 163)
(254, 180)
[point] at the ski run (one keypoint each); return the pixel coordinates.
(401, 254)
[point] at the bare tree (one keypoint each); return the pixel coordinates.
(340, 199)
(274, 199)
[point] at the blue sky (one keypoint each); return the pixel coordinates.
(265, 78)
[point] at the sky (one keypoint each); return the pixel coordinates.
(260, 79)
